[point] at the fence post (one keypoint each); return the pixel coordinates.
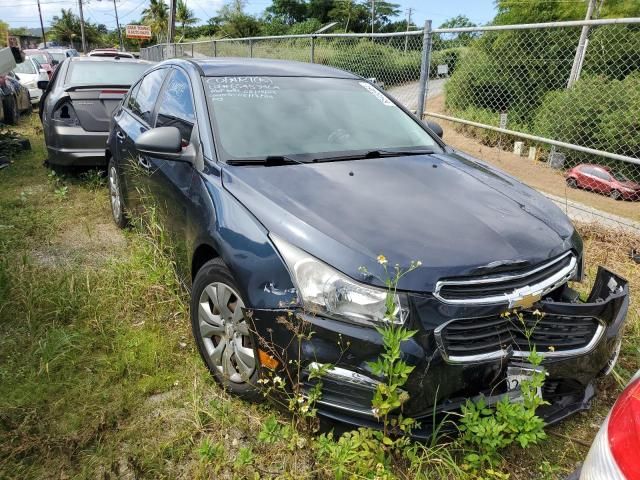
(424, 68)
(215, 48)
(192, 50)
(313, 49)
(250, 48)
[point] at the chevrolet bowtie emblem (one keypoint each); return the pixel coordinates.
(525, 302)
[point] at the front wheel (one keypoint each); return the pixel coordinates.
(615, 194)
(572, 183)
(222, 332)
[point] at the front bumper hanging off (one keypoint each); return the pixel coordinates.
(579, 341)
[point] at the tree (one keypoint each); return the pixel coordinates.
(447, 40)
(234, 22)
(66, 28)
(344, 11)
(156, 16)
(288, 11)
(319, 9)
(184, 15)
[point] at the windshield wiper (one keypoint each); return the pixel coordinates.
(375, 154)
(268, 161)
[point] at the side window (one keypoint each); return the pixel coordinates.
(145, 96)
(131, 99)
(176, 105)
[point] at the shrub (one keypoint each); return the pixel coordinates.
(387, 64)
(584, 116)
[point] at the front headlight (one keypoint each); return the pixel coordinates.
(324, 290)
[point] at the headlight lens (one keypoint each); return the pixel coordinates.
(324, 290)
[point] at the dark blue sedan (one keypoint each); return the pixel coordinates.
(278, 180)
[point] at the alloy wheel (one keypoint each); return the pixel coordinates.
(114, 193)
(225, 332)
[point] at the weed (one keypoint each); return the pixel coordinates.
(211, 451)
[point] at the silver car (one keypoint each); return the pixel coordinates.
(77, 104)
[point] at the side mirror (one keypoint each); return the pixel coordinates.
(43, 84)
(163, 142)
(435, 128)
(54, 62)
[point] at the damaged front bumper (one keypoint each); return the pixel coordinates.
(462, 352)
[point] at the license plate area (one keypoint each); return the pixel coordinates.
(516, 374)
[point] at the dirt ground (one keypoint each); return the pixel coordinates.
(534, 173)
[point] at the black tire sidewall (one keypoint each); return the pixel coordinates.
(572, 183)
(216, 271)
(616, 195)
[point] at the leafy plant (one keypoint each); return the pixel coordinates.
(488, 429)
(211, 451)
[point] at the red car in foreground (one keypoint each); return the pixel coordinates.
(605, 180)
(614, 453)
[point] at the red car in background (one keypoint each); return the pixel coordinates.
(44, 58)
(605, 180)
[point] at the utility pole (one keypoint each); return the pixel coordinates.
(44, 39)
(84, 43)
(118, 26)
(582, 47)
(406, 37)
(373, 15)
(171, 32)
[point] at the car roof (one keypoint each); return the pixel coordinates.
(109, 59)
(223, 67)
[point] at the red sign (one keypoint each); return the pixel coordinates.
(142, 32)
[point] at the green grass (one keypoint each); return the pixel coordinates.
(99, 376)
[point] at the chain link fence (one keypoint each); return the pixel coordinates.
(561, 114)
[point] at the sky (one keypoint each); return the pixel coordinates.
(24, 13)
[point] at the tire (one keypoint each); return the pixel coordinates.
(11, 113)
(615, 194)
(572, 183)
(118, 211)
(222, 334)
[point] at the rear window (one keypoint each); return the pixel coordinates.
(104, 73)
(58, 56)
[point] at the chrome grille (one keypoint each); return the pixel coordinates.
(508, 288)
(476, 339)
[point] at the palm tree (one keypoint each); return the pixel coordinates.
(156, 16)
(344, 10)
(65, 27)
(185, 15)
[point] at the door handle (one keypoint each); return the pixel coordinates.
(143, 162)
(120, 135)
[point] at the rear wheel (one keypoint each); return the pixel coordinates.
(115, 195)
(11, 113)
(222, 332)
(615, 194)
(572, 183)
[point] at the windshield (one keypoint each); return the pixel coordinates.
(26, 67)
(41, 58)
(307, 118)
(104, 73)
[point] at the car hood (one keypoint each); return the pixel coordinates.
(456, 215)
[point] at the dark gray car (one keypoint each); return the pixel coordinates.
(77, 105)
